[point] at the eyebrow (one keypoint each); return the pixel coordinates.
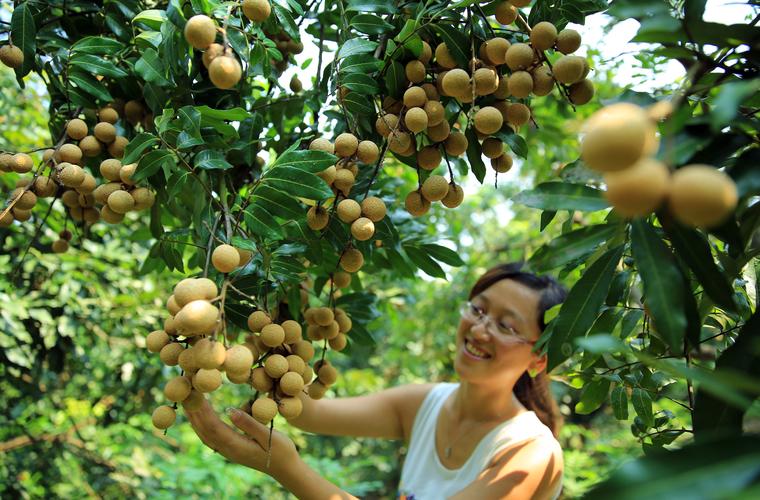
(507, 310)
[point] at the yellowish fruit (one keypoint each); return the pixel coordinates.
(276, 365)
(207, 380)
(426, 53)
(327, 374)
(317, 390)
(502, 163)
(352, 260)
(341, 279)
(225, 258)
(26, 199)
(295, 84)
(44, 187)
(199, 317)
(486, 81)
(416, 120)
(237, 359)
(416, 204)
(454, 196)
(290, 407)
(108, 115)
(291, 383)
(292, 330)
(156, 340)
(257, 11)
(440, 132)
(520, 84)
(191, 289)
(429, 157)
(543, 35)
(367, 152)
(415, 97)
(225, 72)
(169, 354)
(702, 196)
(110, 169)
(506, 13)
(518, 114)
(456, 83)
(617, 136)
(105, 132)
(212, 52)
(569, 69)
(71, 175)
(373, 208)
(317, 218)
(126, 172)
(349, 210)
(90, 146)
(144, 198)
(322, 144)
(209, 353)
(328, 175)
(177, 389)
(11, 56)
(581, 92)
(260, 380)
(163, 417)
(110, 216)
(362, 229)
(304, 350)
(121, 202)
(415, 71)
(346, 145)
(456, 143)
(399, 142)
(22, 163)
(60, 246)
(543, 81)
(76, 129)
(496, 50)
(488, 120)
(519, 56)
(272, 335)
(435, 112)
(443, 57)
(568, 41)
(386, 123)
(200, 31)
(435, 188)
(638, 190)
(492, 147)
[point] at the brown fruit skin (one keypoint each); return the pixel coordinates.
(702, 196)
(435, 188)
(11, 56)
(519, 56)
(352, 260)
(105, 132)
(108, 115)
(71, 175)
(44, 187)
(68, 153)
(456, 143)
(506, 13)
(272, 335)
(76, 129)
(416, 204)
(440, 132)
(26, 199)
(322, 144)
(276, 365)
(156, 340)
(367, 152)
(200, 31)
(543, 82)
(502, 163)
(346, 145)
(225, 258)
(90, 146)
(453, 197)
(518, 114)
(435, 113)
(569, 69)
(373, 208)
(543, 35)
(416, 120)
(362, 229)
(520, 84)
(257, 11)
(341, 279)
(225, 72)
(415, 71)
(295, 85)
(317, 218)
(617, 136)
(177, 389)
(349, 210)
(163, 417)
(492, 148)
(317, 390)
(488, 120)
(486, 81)
(60, 246)
(264, 410)
(426, 53)
(120, 202)
(496, 50)
(304, 350)
(443, 57)
(22, 163)
(638, 190)
(456, 83)
(568, 41)
(290, 408)
(581, 92)
(399, 141)
(207, 380)
(429, 157)
(415, 97)
(134, 111)
(190, 289)
(212, 52)
(238, 358)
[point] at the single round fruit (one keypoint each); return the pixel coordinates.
(76, 129)
(322, 144)
(260, 380)
(108, 115)
(144, 198)
(519, 56)
(488, 120)
(290, 407)
(291, 383)
(362, 229)
(440, 132)
(492, 147)
(518, 114)
(435, 188)
(367, 152)
(134, 111)
(200, 31)
(486, 81)
(207, 380)
(225, 258)
(349, 210)
(581, 92)
(399, 142)
(44, 187)
(126, 172)
(352, 260)
(209, 353)
(199, 317)
(295, 85)
(569, 69)
(429, 157)
(443, 57)
(415, 97)
(453, 197)
(415, 71)
(617, 136)
(22, 163)
(638, 190)
(456, 144)
(317, 218)
(169, 354)
(60, 246)
(276, 365)
(163, 417)
(416, 204)
(177, 389)
(225, 72)
(264, 410)
(327, 374)
(212, 52)
(156, 340)
(543, 35)
(292, 331)
(431, 92)
(456, 83)
(11, 56)
(506, 13)
(90, 146)
(568, 41)
(237, 359)
(373, 208)
(502, 163)
(702, 196)
(543, 81)
(328, 175)
(272, 335)
(341, 279)
(191, 289)
(416, 120)
(258, 320)
(346, 145)
(121, 202)
(110, 169)
(110, 216)
(304, 350)
(105, 132)
(317, 390)
(257, 11)
(385, 124)
(496, 50)
(25, 199)
(520, 84)
(426, 53)
(339, 342)
(87, 186)
(71, 175)
(435, 113)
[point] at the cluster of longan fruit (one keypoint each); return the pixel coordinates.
(620, 141)
(11, 56)
(287, 47)
(24, 197)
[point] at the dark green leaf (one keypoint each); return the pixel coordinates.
(360, 63)
(286, 21)
(443, 254)
(261, 222)
(422, 260)
(573, 245)
(457, 43)
(474, 155)
(277, 202)
(370, 24)
(137, 146)
(642, 403)
(395, 79)
(99, 45)
(152, 18)
(619, 401)
(309, 161)
(562, 196)
(356, 46)
(151, 68)
(152, 162)
(363, 84)
(593, 395)
(210, 159)
(90, 84)
(379, 6)
(515, 142)
(23, 35)
(97, 65)
(297, 182)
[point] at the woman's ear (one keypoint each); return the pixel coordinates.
(538, 364)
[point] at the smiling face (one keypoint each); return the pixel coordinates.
(482, 357)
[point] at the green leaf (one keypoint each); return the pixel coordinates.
(370, 24)
(423, 261)
(395, 78)
(593, 395)
(515, 142)
(571, 246)
(642, 403)
(379, 6)
(286, 21)
(152, 18)
(151, 68)
(97, 65)
(277, 202)
(356, 46)
(211, 159)
(243, 243)
(730, 97)
(474, 155)
(443, 254)
(259, 221)
(663, 283)
(297, 182)
(363, 84)
(99, 45)
(360, 63)
(581, 307)
(562, 196)
(24, 36)
(457, 43)
(306, 160)
(137, 146)
(90, 84)
(152, 162)
(619, 401)
(232, 114)
(358, 104)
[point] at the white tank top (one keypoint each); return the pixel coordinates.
(424, 477)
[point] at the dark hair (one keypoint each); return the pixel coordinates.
(533, 392)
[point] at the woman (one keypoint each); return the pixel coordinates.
(491, 436)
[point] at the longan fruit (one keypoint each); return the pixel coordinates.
(415, 97)
(144, 198)
(702, 196)
(258, 320)
(346, 145)
(488, 120)
(209, 353)
(454, 196)
(399, 141)
(264, 409)
(290, 407)
(194, 401)
(317, 218)
(486, 81)
(569, 69)
(518, 114)
(156, 340)
(304, 350)
(6, 161)
(617, 136)
(199, 317)
(169, 354)
(22, 163)
(322, 144)
(415, 71)
(120, 202)
(568, 41)
(317, 390)
(105, 132)
(110, 216)
(328, 175)
(60, 246)
(323, 316)
(435, 188)
(237, 359)
(106, 114)
(110, 169)
(225, 72)
(212, 52)
(11, 56)
(426, 53)
(431, 92)
(6, 219)
(456, 143)
(276, 365)
(257, 11)
(329, 331)
(520, 84)
(308, 374)
(349, 210)
(292, 330)
(363, 229)
(172, 306)
(367, 152)
(391, 105)
(260, 380)
(438, 133)
(134, 111)
(91, 215)
(638, 190)
(76, 129)
(341, 279)
(26, 199)
(416, 204)
(520, 3)
(90, 146)
(506, 13)
(200, 31)
(177, 389)
(502, 163)
(386, 123)
(272, 335)
(243, 377)
(291, 383)
(543, 35)
(295, 85)
(344, 180)
(492, 147)
(207, 380)
(352, 260)
(327, 374)
(163, 417)
(191, 289)
(44, 187)
(543, 81)
(443, 57)
(435, 113)
(225, 258)
(339, 342)
(519, 56)
(581, 92)
(416, 120)
(428, 158)
(126, 172)
(87, 186)
(495, 50)
(456, 83)
(71, 175)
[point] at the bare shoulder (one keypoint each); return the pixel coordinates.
(408, 398)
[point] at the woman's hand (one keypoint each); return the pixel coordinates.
(249, 449)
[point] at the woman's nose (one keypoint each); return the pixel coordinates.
(480, 330)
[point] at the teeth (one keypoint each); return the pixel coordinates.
(474, 350)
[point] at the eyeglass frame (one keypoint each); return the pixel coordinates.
(466, 310)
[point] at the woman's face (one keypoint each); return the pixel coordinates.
(482, 356)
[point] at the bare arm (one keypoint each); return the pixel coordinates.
(387, 414)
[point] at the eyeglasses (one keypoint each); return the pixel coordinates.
(476, 314)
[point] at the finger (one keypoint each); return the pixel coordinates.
(250, 426)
